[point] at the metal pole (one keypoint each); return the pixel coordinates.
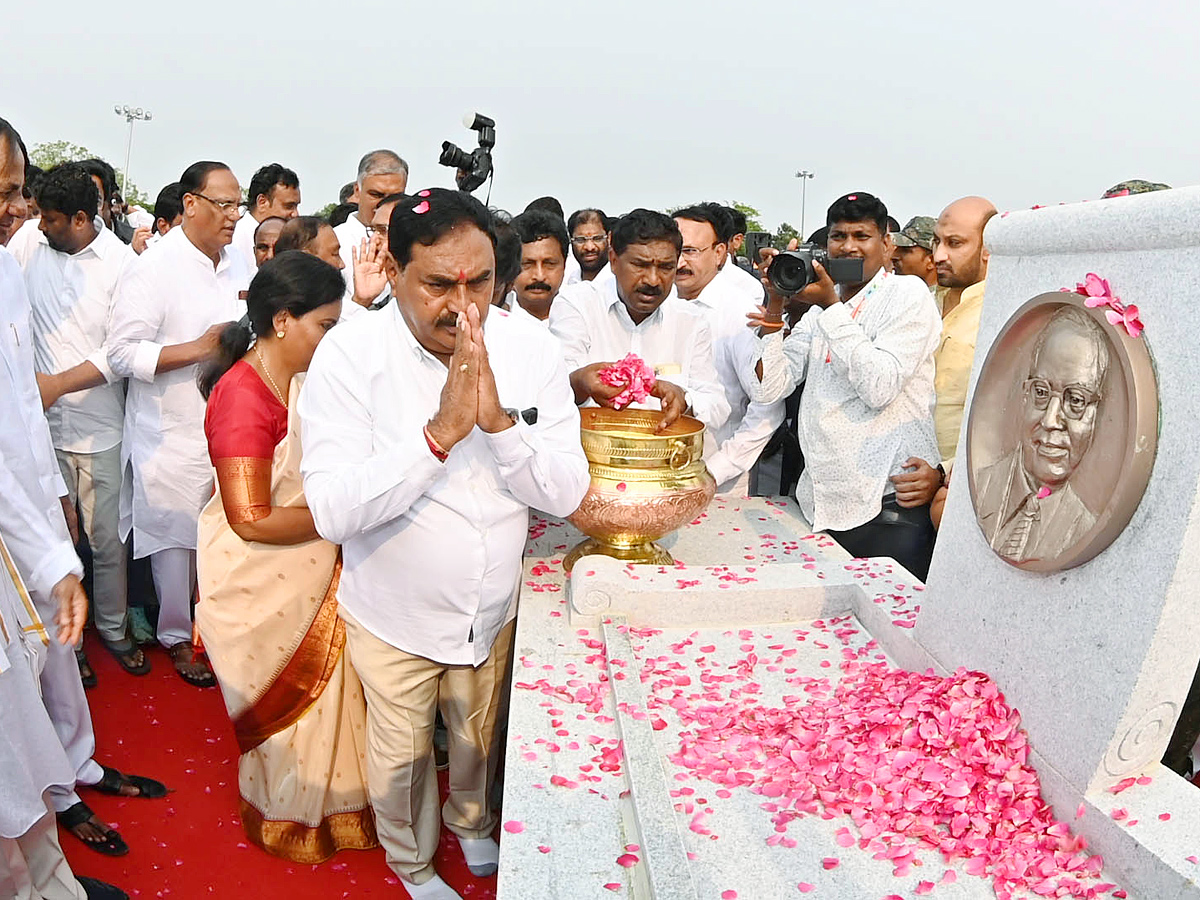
(803, 175)
(131, 115)
(129, 149)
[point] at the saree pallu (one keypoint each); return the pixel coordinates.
(268, 618)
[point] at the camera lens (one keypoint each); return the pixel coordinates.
(790, 272)
(454, 156)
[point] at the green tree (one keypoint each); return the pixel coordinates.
(52, 153)
(751, 214)
(784, 234)
(324, 211)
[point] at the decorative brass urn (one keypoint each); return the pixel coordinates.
(644, 485)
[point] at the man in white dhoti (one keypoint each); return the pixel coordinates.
(32, 757)
(420, 459)
(170, 308)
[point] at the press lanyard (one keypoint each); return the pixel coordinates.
(866, 295)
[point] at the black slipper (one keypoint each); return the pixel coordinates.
(112, 781)
(79, 814)
(100, 890)
(86, 673)
(125, 658)
(191, 665)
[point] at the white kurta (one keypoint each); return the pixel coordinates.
(431, 551)
(724, 304)
(169, 295)
(243, 239)
(71, 296)
(593, 325)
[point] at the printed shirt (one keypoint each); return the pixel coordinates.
(867, 405)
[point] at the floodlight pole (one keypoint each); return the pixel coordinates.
(131, 115)
(803, 175)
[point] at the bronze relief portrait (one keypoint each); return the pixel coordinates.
(1062, 433)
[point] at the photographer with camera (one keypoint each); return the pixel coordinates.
(864, 352)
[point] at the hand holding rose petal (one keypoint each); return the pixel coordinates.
(633, 376)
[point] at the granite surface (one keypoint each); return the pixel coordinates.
(583, 819)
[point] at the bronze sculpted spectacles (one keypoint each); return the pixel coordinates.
(1074, 399)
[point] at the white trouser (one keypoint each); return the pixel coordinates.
(94, 484)
(32, 867)
(174, 573)
(66, 703)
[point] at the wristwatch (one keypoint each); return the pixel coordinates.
(942, 472)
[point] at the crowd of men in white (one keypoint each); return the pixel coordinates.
(103, 425)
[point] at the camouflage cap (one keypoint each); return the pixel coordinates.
(917, 233)
(1134, 186)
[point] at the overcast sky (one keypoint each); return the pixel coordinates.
(626, 103)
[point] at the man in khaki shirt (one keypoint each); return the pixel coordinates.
(961, 260)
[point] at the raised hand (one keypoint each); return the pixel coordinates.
(459, 407)
(369, 277)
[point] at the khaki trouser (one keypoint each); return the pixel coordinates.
(94, 483)
(32, 867)
(403, 695)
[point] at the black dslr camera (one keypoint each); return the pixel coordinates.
(474, 167)
(792, 270)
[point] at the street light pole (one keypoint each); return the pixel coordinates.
(803, 175)
(131, 115)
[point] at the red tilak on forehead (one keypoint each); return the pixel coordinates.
(462, 277)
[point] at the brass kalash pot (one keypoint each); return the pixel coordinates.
(644, 485)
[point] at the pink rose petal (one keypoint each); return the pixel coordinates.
(512, 826)
(830, 862)
(628, 860)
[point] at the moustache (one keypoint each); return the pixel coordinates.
(446, 320)
(539, 286)
(684, 272)
(652, 293)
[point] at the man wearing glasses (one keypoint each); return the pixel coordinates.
(1027, 507)
(588, 230)
(381, 174)
(170, 307)
(735, 351)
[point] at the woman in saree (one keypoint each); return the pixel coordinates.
(267, 613)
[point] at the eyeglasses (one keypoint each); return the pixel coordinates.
(381, 229)
(693, 252)
(1073, 399)
(225, 206)
(584, 239)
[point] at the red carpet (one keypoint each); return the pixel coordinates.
(190, 845)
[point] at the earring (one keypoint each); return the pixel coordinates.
(279, 334)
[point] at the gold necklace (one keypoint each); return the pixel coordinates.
(270, 380)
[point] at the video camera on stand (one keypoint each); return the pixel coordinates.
(474, 167)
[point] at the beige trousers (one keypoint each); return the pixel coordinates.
(404, 693)
(32, 867)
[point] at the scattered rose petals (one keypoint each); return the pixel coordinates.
(512, 826)
(1164, 817)
(542, 848)
(612, 886)
(830, 862)
(728, 895)
(628, 860)
(804, 887)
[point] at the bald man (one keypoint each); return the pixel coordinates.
(961, 260)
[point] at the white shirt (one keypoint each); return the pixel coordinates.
(168, 295)
(574, 274)
(741, 282)
(243, 238)
(735, 350)
(870, 406)
(513, 306)
(140, 218)
(72, 296)
(431, 552)
(592, 324)
(350, 236)
(30, 480)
